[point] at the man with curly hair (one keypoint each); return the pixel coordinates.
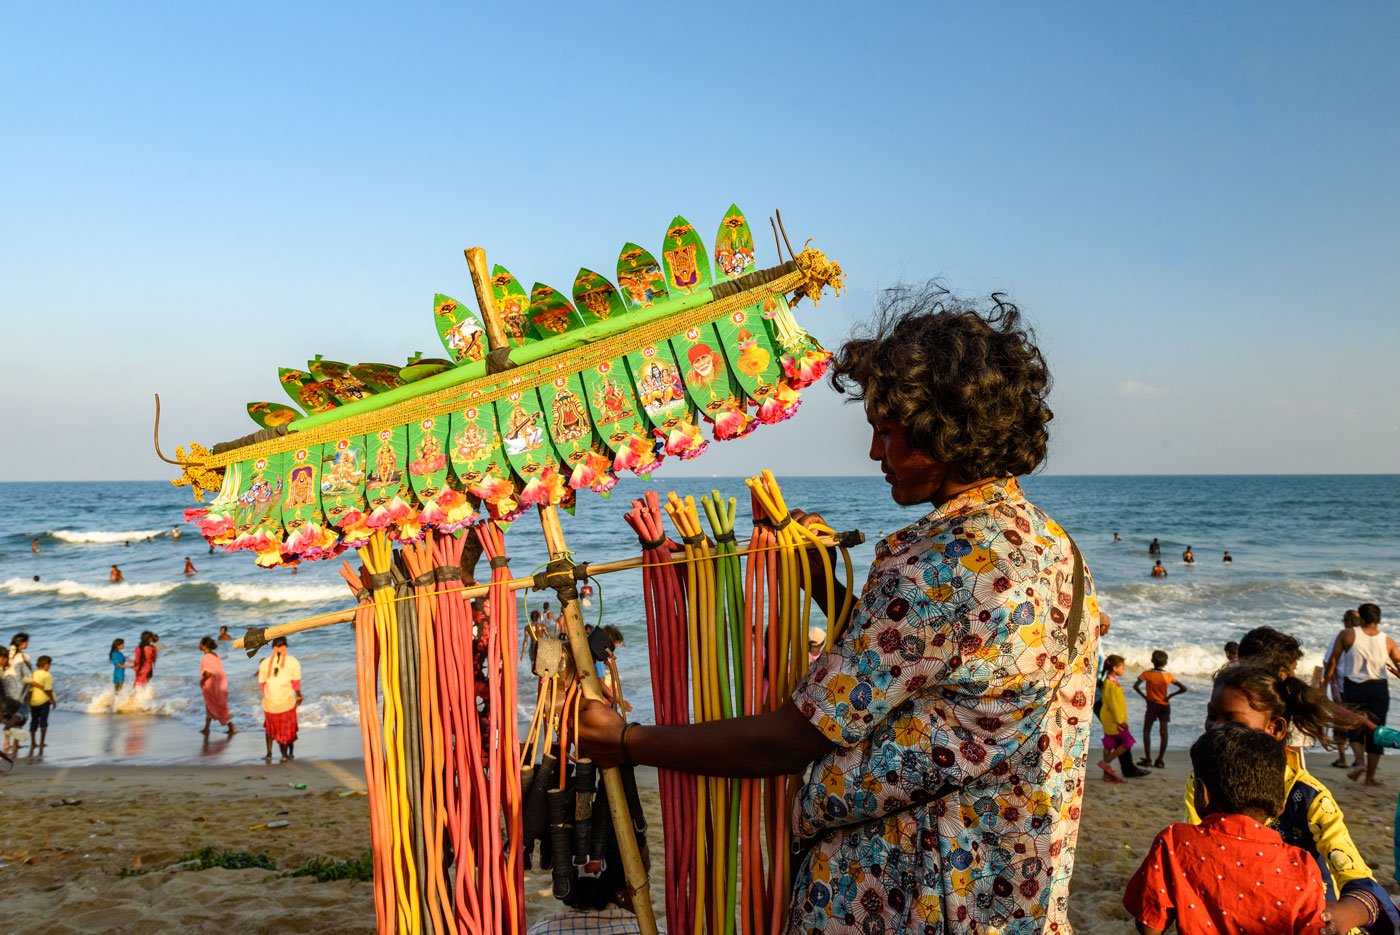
(947, 727)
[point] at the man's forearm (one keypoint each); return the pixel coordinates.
(772, 744)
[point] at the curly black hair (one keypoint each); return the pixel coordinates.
(967, 383)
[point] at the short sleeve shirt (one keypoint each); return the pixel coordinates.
(42, 690)
(1157, 683)
(118, 666)
(279, 694)
(945, 689)
(1229, 874)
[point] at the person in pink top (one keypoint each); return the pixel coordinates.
(214, 684)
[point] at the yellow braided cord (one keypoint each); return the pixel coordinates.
(527, 376)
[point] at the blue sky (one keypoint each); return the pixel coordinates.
(1196, 206)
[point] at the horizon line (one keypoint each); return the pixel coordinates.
(683, 477)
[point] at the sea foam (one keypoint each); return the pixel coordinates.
(97, 537)
(95, 592)
(282, 593)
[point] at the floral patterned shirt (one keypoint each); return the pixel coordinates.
(946, 688)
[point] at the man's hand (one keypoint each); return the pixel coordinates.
(600, 733)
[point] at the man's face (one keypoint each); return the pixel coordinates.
(914, 476)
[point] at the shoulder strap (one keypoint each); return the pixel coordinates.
(1076, 609)
(1074, 623)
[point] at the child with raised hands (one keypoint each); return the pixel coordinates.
(1259, 698)
(1230, 873)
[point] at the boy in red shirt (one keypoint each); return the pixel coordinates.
(1159, 705)
(1230, 873)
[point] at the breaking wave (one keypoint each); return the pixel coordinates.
(207, 591)
(95, 537)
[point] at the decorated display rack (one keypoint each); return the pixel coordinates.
(419, 469)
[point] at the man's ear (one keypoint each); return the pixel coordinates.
(1202, 798)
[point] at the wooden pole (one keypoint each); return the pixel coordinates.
(519, 584)
(632, 864)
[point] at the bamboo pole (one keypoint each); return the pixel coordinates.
(518, 584)
(632, 864)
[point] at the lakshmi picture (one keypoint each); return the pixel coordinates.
(429, 457)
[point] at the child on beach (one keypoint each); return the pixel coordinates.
(41, 702)
(119, 665)
(1113, 718)
(1207, 877)
(1256, 697)
(1159, 705)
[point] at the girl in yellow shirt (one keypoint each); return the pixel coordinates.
(1113, 718)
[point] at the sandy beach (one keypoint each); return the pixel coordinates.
(91, 848)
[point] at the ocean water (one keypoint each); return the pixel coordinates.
(1305, 548)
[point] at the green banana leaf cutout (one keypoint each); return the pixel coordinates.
(655, 377)
(526, 442)
(711, 385)
(427, 453)
(343, 472)
(442, 505)
(220, 522)
(338, 380)
(306, 391)
(380, 378)
(478, 458)
(301, 501)
(513, 305)
(245, 499)
(587, 463)
(460, 331)
(272, 415)
(419, 367)
(259, 526)
(386, 477)
(745, 335)
(616, 413)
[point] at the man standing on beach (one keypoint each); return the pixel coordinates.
(1365, 685)
(948, 724)
(279, 677)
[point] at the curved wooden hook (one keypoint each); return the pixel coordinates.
(156, 434)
